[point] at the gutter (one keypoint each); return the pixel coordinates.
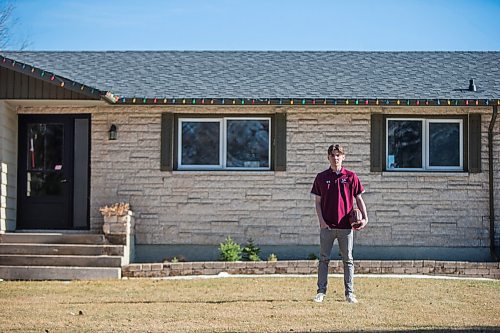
(490, 171)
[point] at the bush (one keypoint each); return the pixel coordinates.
(251, 251)
(272, 257)
(229, 250)
(312, 256)
(175, 259)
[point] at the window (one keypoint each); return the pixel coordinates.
(224, 143)
(232, 142)
(424, 144)
(427, 144)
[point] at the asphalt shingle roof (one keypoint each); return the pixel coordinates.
(277, 74)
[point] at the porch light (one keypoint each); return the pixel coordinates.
(113, 134)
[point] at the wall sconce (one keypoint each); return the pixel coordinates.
(113, 134)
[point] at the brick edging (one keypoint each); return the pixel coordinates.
(427, 267)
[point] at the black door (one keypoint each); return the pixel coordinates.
(46, 172)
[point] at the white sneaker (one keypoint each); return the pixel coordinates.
(351, 298)
(319, 298)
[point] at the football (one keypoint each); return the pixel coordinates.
(355, 216)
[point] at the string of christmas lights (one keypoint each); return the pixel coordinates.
(51, 77)
(308, 101)
(108, 96)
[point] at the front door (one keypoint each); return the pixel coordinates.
(49, 145)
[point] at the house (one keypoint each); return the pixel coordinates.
(205, 145)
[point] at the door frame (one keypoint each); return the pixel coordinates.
(82, 142)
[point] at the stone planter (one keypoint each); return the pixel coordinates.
(118, 228)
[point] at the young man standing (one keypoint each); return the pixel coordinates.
(335, 190)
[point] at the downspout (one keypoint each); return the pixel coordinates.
(490, 171)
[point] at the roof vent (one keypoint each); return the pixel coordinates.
(472, 85)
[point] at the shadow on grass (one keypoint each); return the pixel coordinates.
(190, 302)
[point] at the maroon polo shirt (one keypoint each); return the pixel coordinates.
(337, 192)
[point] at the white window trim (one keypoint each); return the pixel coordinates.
(387, 144)
(179, 145)
(461, 146)
(425, 144)
(268, 147)
(222, 145)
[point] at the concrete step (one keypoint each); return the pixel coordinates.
(53, 238)
(58, 273)
(60, 260)
(61, 249)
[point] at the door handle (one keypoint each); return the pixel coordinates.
(64, 180)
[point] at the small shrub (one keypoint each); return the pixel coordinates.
(251, 251)
(312, 256)
(272, 257)
(229, 250)
(174, 259)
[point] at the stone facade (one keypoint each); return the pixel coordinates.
(275, 208)
(8, 167)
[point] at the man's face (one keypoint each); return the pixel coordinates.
(336, 159)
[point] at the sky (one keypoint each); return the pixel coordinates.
(316, 25)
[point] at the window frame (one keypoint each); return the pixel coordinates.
(222, 119)
(461, 145)
(426, 120)
(180, 166)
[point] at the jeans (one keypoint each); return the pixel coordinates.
(345, 240)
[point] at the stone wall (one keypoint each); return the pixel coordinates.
(496, 177)
(275, 208)
(427, 267)
(8, 167)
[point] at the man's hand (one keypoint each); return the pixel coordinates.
(360, 225)
(323, 225)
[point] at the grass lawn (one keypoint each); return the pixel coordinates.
(253, 304)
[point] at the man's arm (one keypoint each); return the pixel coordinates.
(322, 223)
(361, 205)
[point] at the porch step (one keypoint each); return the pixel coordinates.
(59, 256)
(61, 249)
(58, 273)
(53, 238)
(60, 260)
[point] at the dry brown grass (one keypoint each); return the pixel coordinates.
(273, 304)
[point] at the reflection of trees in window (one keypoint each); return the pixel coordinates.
(248, 143)
(444, 144)
(405, 143)
(200, 143)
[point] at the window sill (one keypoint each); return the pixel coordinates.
(224, 172)
(426, 173)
